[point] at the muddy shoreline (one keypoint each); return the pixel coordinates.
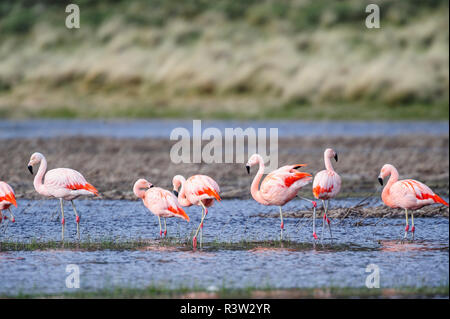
(113, 165)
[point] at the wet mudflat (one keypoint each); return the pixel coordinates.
(241, 249)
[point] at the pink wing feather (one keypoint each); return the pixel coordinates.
(68, 178)
(7, 194)
(421, 192)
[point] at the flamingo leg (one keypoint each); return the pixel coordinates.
(194, 239)
(12, 218)
(77, 218)
(281, 225)
(314, 223)
(413, 229)
(328, 221)
(201, 228)
(407, 225)
(165, 227)
(314, 203)
(160, 228)
(324, 218)
(62, 218)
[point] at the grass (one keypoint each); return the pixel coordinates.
(290, 111)
(225, 59)
(170, 242)
(157, 291)
(119, 245)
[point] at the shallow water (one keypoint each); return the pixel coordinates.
(342, 263)
(162, 128)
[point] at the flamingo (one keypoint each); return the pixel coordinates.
(63, 183)
(279, 187)
(7, 198)
(198, 190)
(406, 194)
(326, 185)
(160, 202)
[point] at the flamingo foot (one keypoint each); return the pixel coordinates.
(194, 242)
(63, 221)
(315, 236)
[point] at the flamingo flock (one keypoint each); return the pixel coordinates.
(276, 189)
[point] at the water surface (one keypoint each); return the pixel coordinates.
(340, 263)
(160, 128)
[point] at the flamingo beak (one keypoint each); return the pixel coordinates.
(380, 180)
(175, 193)
(336, 157)
(248, 168)
(151, 185)
(30, 168)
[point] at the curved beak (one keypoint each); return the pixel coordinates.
(248, 168)
(30, 168)
(150, 185)
(175, 193)
(380, 180)
(336, 157)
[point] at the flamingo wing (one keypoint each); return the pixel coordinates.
(68, 178)
(326, 184)
(162, 202)
(287, 176)
(202, 185)
(7, 194)
(421, 192)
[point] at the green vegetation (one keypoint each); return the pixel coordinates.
(170, 242)
(302, 59)
(158, 291)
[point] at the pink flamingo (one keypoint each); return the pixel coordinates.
(279, 187)
(160, 202)
(326, 185)
(63, 183)
(198, 190)
(7, 198)
(406, 194)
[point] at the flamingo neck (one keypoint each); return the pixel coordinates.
(327, 161)
(38, 185)
(392, 179)
(139, 192)
(182, 193)
(255, 184)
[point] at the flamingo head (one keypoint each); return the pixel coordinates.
(329, 152)
(255, 159)
(386, 170)
(141, 185)
(177, 182)
(36, 158)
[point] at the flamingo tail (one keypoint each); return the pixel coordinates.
(10, 198)
(179, 212)
(438, 199)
